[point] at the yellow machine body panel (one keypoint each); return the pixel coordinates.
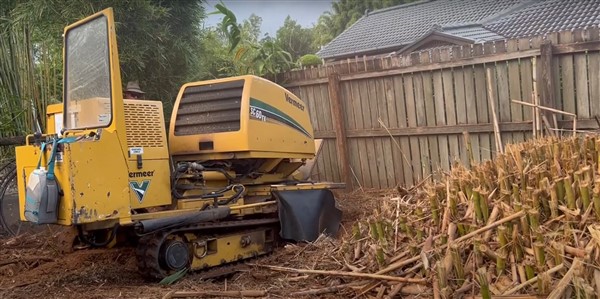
(148, 186)
(239, 117)
(94, 186)
(119, 158)
(147, 154)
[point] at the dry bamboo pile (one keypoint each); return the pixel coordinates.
(527, 222)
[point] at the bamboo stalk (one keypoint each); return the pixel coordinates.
(489, 253)
(560, 190)
(322, 291)
(513, 269)
(442, 276)
(565, 281)
(477, 242)
(484, 283)
(347, 274)
(540, 255)
(500, 262)
(492, 105)
(503, 250)
(491, 226)
(553, 201)
(596, 198)
(529, 271)
(515, 193)
(435, 208)
(563, 248)
(569, 193)
(535, 99)
(477, 205)
(457, 262)
(493, 217)
(584, 191)
(532, 280)
(467, 140)
(517, 245)
(396, 289)
(544, 108)
(415, 290)
(230, 294)
(483, 202)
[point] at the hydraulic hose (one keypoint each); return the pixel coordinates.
(87, 240)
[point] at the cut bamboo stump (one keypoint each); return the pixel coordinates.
(504, 228)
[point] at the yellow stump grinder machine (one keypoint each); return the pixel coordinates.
(227, 186)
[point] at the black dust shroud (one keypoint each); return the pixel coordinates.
(306, 214)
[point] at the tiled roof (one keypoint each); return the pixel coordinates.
(479, 20)
(473, 32)
(404, 24)
(548, 16)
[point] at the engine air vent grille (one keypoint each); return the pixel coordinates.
(143, 125)
(213, 108)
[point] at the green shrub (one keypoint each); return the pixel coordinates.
(310, 59)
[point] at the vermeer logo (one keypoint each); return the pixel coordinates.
(141, 174)
(140, 189)
(294, 102)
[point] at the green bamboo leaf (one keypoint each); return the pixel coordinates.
(174, 277)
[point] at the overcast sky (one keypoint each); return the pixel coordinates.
(272, 12)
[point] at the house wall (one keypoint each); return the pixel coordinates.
(394, 121)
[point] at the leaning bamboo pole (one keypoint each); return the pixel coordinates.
(492, 104)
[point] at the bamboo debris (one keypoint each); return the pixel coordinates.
(565, 281)
(349, 274)
(503, 227)
(536, 106)
(230, 294)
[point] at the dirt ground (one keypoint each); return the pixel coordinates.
(31, 266)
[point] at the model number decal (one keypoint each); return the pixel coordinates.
(257, 113)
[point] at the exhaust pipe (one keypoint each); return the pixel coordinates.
(153, 225)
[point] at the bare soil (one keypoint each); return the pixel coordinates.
(32, 266)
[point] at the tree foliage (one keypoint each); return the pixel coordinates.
(310, 60)
(159, 45)
(343, 14)
(294, 39)
(264, 57)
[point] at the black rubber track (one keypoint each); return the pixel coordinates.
(148, 248)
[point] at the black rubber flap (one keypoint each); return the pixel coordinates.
(305, 214)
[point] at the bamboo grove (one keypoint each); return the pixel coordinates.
(28, 80)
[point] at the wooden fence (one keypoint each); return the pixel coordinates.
(393, 121)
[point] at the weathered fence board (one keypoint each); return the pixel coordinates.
(404, 115)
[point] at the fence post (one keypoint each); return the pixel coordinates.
(339, 123)
(547, 81)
